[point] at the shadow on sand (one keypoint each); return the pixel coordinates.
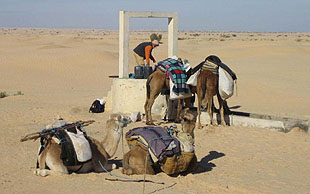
(204, 165)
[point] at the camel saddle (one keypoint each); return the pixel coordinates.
(164, 149)
(75, 148)
(175, 71)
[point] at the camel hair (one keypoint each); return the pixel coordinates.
(207, 87)
(154, 85)
(135, 160)
(50, 162)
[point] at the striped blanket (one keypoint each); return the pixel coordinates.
(176, 72)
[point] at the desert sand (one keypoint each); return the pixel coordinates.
(51, 72)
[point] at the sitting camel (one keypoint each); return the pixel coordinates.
(207, 87)
(154, 85)
(49, 161)
(137, 160)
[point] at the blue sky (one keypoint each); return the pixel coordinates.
(204, 15)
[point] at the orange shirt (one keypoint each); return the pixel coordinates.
(148, 50)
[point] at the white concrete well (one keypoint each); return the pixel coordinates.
(129, 95)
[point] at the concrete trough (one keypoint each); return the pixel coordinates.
(128, 95)
(283, 124)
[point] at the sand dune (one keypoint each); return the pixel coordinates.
(61, 71)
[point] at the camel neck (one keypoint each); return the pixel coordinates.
(111, 140)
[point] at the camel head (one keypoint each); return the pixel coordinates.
(114, 130)
(118, 121)
(188, 120)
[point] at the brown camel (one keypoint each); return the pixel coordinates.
(207, 87)
(136, 161)
(154, 85)
(50, 162)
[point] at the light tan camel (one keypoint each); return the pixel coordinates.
(154, 85)
(134, 160)
(50, 162)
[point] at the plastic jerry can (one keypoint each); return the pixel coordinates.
(147, 70)
(138, 72)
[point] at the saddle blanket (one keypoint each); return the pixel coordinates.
(160, 144)
(176, 72)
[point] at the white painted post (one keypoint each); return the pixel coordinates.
(124, 35)
(172, 36)
(123, 44)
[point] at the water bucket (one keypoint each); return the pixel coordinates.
(138, 72)
(147, 70)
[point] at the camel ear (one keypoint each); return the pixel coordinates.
(119, 118)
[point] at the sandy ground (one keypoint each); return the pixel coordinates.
(61, 72)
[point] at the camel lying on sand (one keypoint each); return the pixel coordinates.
(136, 161)
(50, 162)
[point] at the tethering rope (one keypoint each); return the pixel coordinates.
(127, 178)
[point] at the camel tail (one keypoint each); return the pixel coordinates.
(148, 89)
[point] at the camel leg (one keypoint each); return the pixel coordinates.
(221, 107)
(180, 103)
(209, 108)
(146, 110)
(154, 85)
(53, 161)
(187, 102)
(135, 160)
(149, 119)
(199, 96)
(149, 107)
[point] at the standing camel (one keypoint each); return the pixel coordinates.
(50, 159)
(137, 161)
(207, 87)
(154, 85)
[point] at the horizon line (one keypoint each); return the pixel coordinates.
(154, 30)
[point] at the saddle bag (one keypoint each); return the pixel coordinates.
(172, 163)
(226, 84)
(97, 106)
(75, 148)
(177, 163)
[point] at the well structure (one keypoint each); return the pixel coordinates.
(128, 95)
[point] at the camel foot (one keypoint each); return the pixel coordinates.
(43, 172)
(46, 172)
(127, 171)
(150, 123)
